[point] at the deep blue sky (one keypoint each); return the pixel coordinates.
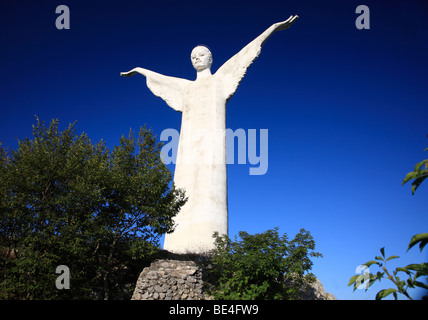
(346, 109)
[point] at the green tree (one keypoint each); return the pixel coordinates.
(413, 271)
(264, 266)
(66, 201)
(418, 175)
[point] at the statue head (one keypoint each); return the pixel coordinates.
(201, 58)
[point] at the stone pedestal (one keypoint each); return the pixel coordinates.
(181, 277)
(170, 280)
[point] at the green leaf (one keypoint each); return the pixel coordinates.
(421, 177)
(371, 262)
(410, 283)
(392, 257)
(353, 279)
(382, 250)
(409, 176)
(384, 293)
(414, 266)
(420, 164)
(404, 270)
(423, 270)
(421, 237)
(379, 275)
(420, 284)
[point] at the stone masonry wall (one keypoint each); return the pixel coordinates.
(170, 280)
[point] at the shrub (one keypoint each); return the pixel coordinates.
(262, 266)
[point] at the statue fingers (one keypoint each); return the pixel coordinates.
(286, 24)
(127, 74)
(289, 19)
(294, 18)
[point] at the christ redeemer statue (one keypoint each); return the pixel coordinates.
(201, 158)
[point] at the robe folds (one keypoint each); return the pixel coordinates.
(201, 158)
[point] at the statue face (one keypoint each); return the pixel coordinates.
(201, 58)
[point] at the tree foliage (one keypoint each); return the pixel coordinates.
(413, 271)
(418, 175)
(262, 266)
(66, 201)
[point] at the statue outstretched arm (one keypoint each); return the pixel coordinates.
(233, 71)
(277, 27)
(169, 89)
(142, 71)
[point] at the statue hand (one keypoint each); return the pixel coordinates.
(285, 24)
(128, 74)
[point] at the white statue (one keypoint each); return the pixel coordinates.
(201, 158)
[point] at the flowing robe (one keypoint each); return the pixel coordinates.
(201, 158)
